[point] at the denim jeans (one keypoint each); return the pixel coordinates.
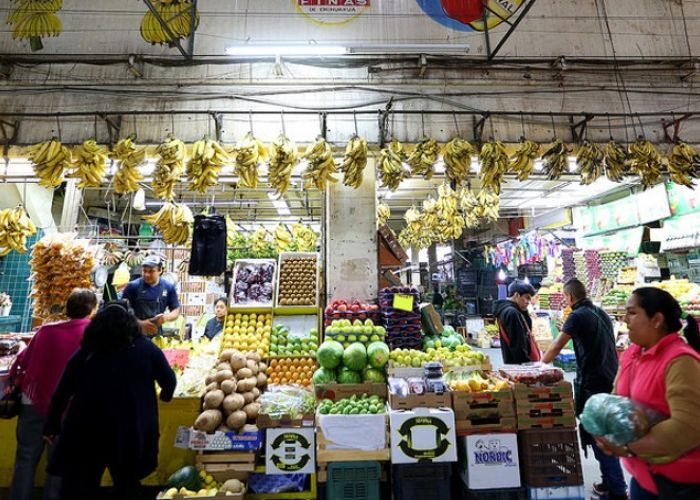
(30, 446)
(611, 470)
(639, 493)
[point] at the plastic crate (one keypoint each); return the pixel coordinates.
(561, 493)
(353, 481)
(422, 481)
(550, 457)
(500, 494)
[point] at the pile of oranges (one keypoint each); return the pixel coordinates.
(291, 371)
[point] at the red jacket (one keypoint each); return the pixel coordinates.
(642, 379)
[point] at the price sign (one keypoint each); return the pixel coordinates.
(177, 357)
(403, 302)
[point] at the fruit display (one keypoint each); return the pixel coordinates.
(627, 276)
(321, 165)
(462, 355)
(202, 356)
(476, 381)
(611, 263)
(568, 263)
(90, 164)
(448, 338)
(556, 160)
(248, 332)
(403, 328)
(354, 161)
(284, 156)
(615, 161)
(383, 214)
(342, 309)
(354, 405)
(283, 344)
(690, 302)
(297, 281)
(297, 370)
(129, 158)
(232, 390)
(450, 223)
(169, 168)
(174, 222)
(392, 170)
(457, 156)
(177, 15)
(589, 159)
(189, 482)
(645, 161)
(305, 238)
(253, 283)
(551, 297)
(616, 298)
(249, 153)
(494, 165)
(484, 206)
(60, 263)
(50, 160)
(532, 375)
(351, 365)
(683, 164)
(287, 401)
(522, 163)
(679, 288)
(347, 332)
(35, 19)
(208, 157)
(15, 228)
(587, 265)
(423, 157)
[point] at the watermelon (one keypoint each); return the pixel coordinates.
(378, 354)
(186, 477)
(347, 376)
(355, 356)
(324, 376)
(373, 375)
(330, 354)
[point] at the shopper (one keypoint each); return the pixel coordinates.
(515, 325)
(150, 297)
(596, 366)
(216, 324)
(661, 369)
(112, 419)
(37, 371)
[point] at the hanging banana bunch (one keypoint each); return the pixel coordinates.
(458, 160)
(615, 161)
(259, 241)
(284, 156)
(589, 159)
(35, 19)
(383, 214)
(249, 153)
(177, 15)
(489, 205)
(305, 238)
(556, 160)
(321, 165)
(174, 221)
(470, 208)
(423, 157)
(494, 165)
(646, 162)
(208, 157)
(112, 255)
(522, 163)
(450, 222)
(683, 164)
(50, 160)
(281, 239)
(135, 257)
(391, 166)
(355, 161)
(169, 168)
(90, 164)
(129, 158)
(15, 228)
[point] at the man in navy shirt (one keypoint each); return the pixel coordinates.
(150, 297)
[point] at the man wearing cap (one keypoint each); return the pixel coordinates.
(150, 297)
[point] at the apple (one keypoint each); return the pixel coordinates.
(342, 308)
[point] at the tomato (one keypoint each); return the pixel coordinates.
(464, 11)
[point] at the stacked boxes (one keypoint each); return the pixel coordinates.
(403, 328)
(567, 260)
(542, 407)
(550, 458)
(484, 411)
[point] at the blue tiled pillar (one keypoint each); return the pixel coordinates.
(14, 280)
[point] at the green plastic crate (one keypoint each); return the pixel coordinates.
(353, 481)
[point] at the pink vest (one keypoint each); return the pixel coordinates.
(642, 379)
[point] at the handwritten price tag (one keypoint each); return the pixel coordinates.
(177, 357)
(403, 302)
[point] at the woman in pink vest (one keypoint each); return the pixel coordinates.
(662, 370)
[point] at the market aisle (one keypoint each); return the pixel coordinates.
(591, 472)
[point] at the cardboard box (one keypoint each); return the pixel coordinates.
(546, 409)
(545, 393)
(489, 461)
(430, 319)
(352, 432)
(427, 400)
(481, 424)
(423, 435)
(335, 392)
(188, 437)
(467, 403)
(564, 422)
(290, 451)
(265, 421)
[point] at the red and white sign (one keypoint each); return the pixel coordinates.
(332, 12)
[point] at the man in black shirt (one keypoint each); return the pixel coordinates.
(596, 366)
(515, 325)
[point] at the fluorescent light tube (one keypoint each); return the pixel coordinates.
(251, 50)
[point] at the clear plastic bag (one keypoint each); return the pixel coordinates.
(618, 419)
(287, 400)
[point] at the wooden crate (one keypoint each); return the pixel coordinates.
(567, 421)
(479, 424)
(546, 409)
(475, 403)
(227, 465)
(542, 394)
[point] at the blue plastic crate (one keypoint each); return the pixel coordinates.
(353, 481)
(558, 493)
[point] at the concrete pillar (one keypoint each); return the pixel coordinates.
(415, 264)
(71, 206)
(351, 239)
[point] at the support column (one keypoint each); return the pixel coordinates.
(351, 239)
(415, 264)
(71, 206)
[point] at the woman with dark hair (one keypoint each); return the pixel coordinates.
(37, 371)
(661, 370)
(216, 324)
(107, 398)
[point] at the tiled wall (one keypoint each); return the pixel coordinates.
(14, 280)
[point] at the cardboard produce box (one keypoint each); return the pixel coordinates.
(563, 422)
(560, 391)
(489, 461)
(426, 400)
(265, 421)
(423, 435)
(335, 392)
(469, 403)
(352, 432)
(188, 437)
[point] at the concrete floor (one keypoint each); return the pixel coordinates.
(591, 471)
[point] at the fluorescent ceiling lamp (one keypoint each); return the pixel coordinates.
(409, 48)
(281, 207)
(285, 50)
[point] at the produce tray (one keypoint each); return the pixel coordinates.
(226, 465)
(265, 421)
(467, 402)
(324, 454)
(546, 409)
(546, 393)
(561, 422)
(252, 305)
(335, 392)
(480, 424)
(427, 400)
(188, 437)
(237, 496)
(492, 410)
(289, 255)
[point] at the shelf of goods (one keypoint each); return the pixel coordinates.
(551, 297)
(568, 263)
(611, 263)
(402, 323)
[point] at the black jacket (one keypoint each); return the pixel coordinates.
(516, 324)
(109, 408)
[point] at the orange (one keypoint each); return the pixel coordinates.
(273, 363)
(284, 381)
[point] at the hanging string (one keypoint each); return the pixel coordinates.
(422, 123)
(95, 126)
(133, 122)
(522, 126)
(554, 127)
(641, 126)
(354, 119)
(493, 132)
(284, 128)
(250, 120)
(610, 128)
(209, 126)
(58, 128)
(454, 118)
(172, 124)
